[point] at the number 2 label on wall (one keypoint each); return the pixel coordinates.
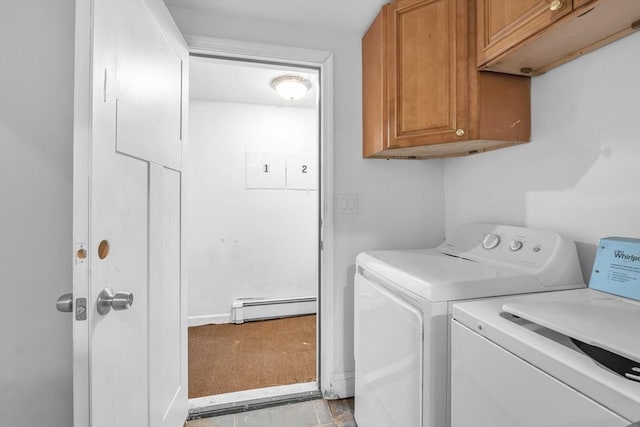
(301, 171)
(279, 171)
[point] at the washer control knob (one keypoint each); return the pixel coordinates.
(515, 245)
(490, 241)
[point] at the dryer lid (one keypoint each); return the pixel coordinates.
(435, 276)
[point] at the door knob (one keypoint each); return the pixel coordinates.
(65, 303)
(108, 299)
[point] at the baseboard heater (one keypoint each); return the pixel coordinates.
(248, 309)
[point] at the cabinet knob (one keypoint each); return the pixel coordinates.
(460, 132)
(556, 5)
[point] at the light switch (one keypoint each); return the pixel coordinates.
(265, 170)
(346, 204)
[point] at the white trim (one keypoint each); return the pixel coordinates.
(326, 305)
(255, 51)
(82, 117)
(184, 214)
(209, 319)
(342, 386)
(323, 60)
(249, 397)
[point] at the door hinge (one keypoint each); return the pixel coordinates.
(321, 245)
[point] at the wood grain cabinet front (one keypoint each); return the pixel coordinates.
(578, 3)
(422, 94)
(503, 24)
(530, 37)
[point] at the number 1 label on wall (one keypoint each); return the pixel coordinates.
(265, 170)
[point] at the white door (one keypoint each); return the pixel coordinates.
(130, 362)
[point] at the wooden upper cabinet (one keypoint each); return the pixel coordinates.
(422, 94)
(505, 23)
(530, 37)
(579, 3)
(375, 133)
(427, 71)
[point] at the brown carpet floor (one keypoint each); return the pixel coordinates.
(229, 357)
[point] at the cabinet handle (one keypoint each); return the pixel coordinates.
(460, 132)
(556, 5)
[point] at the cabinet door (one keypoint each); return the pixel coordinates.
(427, 72)
(375, 131)
(580, 3)
(504, 23)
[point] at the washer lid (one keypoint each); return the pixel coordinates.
(598, 319)
(435, 276)
(553, 352)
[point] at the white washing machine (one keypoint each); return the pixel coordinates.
(560, 359)
(403, 302)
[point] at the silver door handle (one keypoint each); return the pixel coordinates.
(108, 299)
(65, 303)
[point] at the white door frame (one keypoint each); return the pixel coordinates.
(323, 61)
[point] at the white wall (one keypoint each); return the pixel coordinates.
(580, 175)
(400, 203)
(247, 242)
(36, 123)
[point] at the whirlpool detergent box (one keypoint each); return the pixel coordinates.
(616, 269)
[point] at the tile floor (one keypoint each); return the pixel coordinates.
(312, 413)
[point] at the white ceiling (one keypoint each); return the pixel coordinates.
(349, 15)
(233, 81)
(212, 79)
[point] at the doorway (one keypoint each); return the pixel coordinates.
(254, 217)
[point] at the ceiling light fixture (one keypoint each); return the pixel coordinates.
(291, 87)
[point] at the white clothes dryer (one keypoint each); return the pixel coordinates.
(560, 359)
(403, 302)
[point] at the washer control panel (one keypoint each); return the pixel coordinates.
(515, 245)
(490, 241)
(519, 247)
